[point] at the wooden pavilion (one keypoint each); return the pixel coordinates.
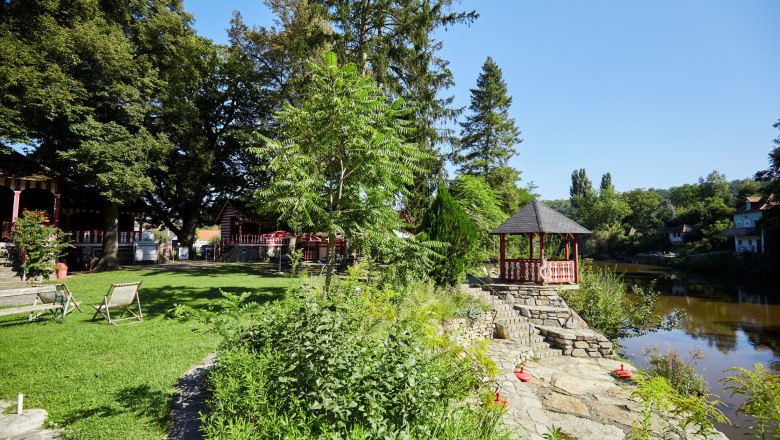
(534, 219)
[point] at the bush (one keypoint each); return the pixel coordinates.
(40, 245)
(446, 222)
(681, 374)
(761, 389)
(360, 364)
(690, 416)
(602, 301)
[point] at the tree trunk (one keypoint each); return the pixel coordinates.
(331, 266)
(108, 261)
(186, 236)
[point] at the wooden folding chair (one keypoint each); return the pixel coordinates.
(122, 296)
(60, 294)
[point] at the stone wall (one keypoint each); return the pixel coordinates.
(464, 331)
(579, 342)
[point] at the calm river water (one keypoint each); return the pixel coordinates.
(734, 322)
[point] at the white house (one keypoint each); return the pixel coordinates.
(748, 236)
(676, 233)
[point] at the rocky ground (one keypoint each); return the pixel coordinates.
(577, 395)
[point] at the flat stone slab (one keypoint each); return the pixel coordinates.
(566, 404)
(582, 428)
(12, 424)
(610, 413)
(579, 386)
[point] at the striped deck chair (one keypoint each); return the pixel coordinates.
(121, 296)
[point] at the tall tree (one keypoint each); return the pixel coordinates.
(606, 183)
(391, 40)
(78, 85)
(340, 160)
(211, 100)
(771, 176)
(581, 189)
(489, 134)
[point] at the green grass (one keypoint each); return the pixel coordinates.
(101, 381)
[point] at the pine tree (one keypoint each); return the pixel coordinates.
(581, 189)
(446, 222)
(489, 135)
(606, 183)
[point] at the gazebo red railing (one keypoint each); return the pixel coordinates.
(538, 220)
(532, 270)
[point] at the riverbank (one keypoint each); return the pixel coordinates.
(718, 264)
(577, 395)
(733, 320)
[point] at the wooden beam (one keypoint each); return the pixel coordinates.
(531, 246)
(576, 262)
(502, 258)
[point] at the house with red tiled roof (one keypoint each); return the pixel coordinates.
(748, 233)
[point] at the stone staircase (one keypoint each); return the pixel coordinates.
(511, 325)
(538, 320)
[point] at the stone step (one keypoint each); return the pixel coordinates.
(12, 284)
(510, 319)
(537, 348)
(534, 341)
(550, 352)
(541, 308)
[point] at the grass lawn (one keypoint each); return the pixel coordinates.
(101, 381)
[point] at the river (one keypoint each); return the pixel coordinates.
(735, 323)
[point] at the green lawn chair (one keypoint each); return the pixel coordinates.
(121, 296)
(60, 295)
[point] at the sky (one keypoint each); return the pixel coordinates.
(658, 93)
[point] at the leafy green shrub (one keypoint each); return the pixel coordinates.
(40, 244)
(324, 368)
(761, 389)
(684, 416)
(446, 222)
(680, 373)
(602, 301)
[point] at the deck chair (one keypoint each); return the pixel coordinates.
(59, 292)
(120, 296)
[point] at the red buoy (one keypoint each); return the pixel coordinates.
(623, 372)
(500, 400)
(522, 375)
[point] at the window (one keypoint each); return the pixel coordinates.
(739, 242)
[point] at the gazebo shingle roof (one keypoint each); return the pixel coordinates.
(538, 217)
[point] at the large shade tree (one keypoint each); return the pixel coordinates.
(211, 102)
(340, 160)
(79, 85)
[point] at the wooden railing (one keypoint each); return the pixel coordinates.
(96, 236)
(256, 239)
(525, 270)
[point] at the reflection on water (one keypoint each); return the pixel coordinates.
(734, 322)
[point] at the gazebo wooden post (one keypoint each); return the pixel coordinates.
(576, 262)
(531, 246)
(541, 276)
(566, 251)
(502, 257)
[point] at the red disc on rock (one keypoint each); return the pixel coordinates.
(623, 372)
(522, 375)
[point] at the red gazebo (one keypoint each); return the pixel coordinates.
(536, 218)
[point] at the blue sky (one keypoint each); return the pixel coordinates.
(657, 93)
